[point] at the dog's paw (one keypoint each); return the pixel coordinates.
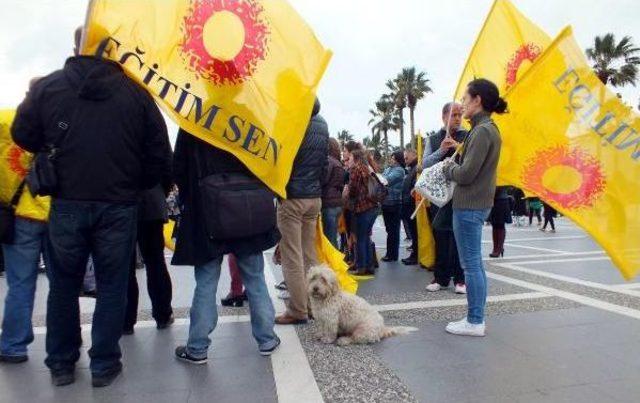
(344, 341)
(327, 339)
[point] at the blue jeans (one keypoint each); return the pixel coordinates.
(364, 225)
(21, 265)
(330, 217)
(204, 313)
(467, 227)
(107, 232)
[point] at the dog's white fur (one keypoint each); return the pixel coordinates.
(342, 317)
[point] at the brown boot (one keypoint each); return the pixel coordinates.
(286, 319)
(499, 235)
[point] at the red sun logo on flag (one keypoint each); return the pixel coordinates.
(528, 52)
(224, 40)
(18, 161)
(570, 177)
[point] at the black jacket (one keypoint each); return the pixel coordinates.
(193, 246)
(116, 140)
(409, 183)
(309, 164)
(332, 183)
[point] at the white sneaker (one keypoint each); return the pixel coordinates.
(464, 328)
(284, 294)
(461, 289)
(433, 287)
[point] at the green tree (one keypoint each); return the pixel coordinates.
(382, 120)
(415, 86)
(615, 63)
(344, 136)
(399, 100)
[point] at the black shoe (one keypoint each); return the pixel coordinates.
(183, 355)
(106, 378)
(410, 261)
(13, 359)
(127, 332)
(234, 301)
(63, 378)
(388, 259)
(88, 294)
(270, 351)
(164, 325)
(281, 286)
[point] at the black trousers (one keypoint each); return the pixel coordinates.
(392, 216)
(447, 259)
(151, 243)
(407, 211)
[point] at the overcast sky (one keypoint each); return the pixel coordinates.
(371, 39)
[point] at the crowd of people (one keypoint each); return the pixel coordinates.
(118, 182)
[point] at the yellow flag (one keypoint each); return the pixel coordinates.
(426, 242)
(14, 165)
(333, 258)
(506, 47)
(240, 75)
(577, 146)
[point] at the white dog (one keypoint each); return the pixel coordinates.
(342, 317)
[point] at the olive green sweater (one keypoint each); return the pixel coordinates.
(475, 174)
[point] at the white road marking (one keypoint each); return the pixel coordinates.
(566, 260)
(581, 299)
(568, 279)
(403, 306)
(536, 248)
(546, 238)
(628, 286)
(292, 373)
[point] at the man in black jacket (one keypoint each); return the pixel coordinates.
(298, 215)
(408, 203)
(113, 141)
(152, 215)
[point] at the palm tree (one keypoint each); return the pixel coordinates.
(415, 87)
(344, 136)
(382, 120)
(372, 143)
(399, 100)
(615, 63)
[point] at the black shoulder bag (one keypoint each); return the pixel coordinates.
(235, 205)
(8, 216)
(42, 178)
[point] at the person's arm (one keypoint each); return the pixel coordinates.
(180, 172)
(394, 176)
(474, 157)
(27, 130)
(432, 158)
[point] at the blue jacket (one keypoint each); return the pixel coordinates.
(395, 176)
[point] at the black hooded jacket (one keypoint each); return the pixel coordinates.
(116, 143)
(311, 159)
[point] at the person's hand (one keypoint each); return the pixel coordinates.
(448, 143)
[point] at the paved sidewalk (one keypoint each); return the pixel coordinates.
(562, 327)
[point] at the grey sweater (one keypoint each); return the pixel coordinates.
(475, 174)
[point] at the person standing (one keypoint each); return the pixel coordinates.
(535, 208)
(208, 233)
(499, 216)
(112, 141)
(475, 174)
(365, 209)
(392, 205)
(332, 184)
(441, 146)
(153, 214)
(298, 215)
(549, 214)
(408, 203)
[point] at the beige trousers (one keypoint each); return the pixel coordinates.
(297, 220)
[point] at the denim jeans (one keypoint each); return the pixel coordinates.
(330, 217)
(21, 262)
(204, 313)
(107, 232)
(364, 225)
(467, 227)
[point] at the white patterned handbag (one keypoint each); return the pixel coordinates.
(434, 186)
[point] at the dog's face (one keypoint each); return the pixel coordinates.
(323, 283)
